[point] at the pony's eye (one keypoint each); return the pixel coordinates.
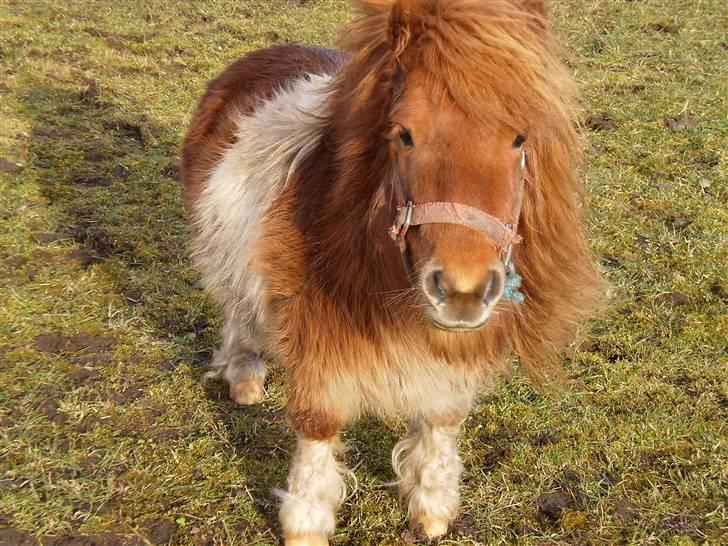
(405, 138)
(519, 140)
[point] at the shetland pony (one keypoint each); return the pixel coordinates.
(389, 224)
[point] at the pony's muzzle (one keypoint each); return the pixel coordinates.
(458, 305)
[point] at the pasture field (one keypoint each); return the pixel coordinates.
(108, 435)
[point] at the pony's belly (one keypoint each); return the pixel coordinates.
(241, 188)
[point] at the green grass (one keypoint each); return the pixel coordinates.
(95, 99)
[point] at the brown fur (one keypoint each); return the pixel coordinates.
(329, 265)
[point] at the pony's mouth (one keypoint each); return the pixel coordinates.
(448, 319)
(458, 327)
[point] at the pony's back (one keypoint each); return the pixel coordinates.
(238, 92)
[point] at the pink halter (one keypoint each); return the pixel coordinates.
(504, 236)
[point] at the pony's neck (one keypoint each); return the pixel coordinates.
(353, 257)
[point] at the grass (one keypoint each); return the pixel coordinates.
(108, 432)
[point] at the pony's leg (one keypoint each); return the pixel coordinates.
(238, 363)
(427, 464)
(315, 491)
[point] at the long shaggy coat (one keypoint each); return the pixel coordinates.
(288, 180)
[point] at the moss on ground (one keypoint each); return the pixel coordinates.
(106, 429)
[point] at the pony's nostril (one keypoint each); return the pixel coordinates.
(494, 287)
(435, 285)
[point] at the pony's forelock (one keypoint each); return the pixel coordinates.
(495, 58)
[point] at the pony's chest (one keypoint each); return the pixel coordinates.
(412, 383)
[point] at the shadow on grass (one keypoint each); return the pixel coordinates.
(112, 179)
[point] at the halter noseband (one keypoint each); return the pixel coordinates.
(503, 235)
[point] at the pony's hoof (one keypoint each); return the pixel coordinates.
(308, 540)
(247, 392)
(433, 528)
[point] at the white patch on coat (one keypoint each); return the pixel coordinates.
(413, 383)
(315, 489)
(253, 171)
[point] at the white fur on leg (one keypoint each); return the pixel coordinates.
(238, 364)
(428, 466)
(315, 489)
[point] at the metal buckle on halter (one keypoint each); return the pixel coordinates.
(509, 251)
(398, 231)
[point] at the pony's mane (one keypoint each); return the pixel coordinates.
(495, 59)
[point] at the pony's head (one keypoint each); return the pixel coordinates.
(468, 106)
(458, 182)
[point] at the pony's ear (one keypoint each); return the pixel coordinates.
(405, 24)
